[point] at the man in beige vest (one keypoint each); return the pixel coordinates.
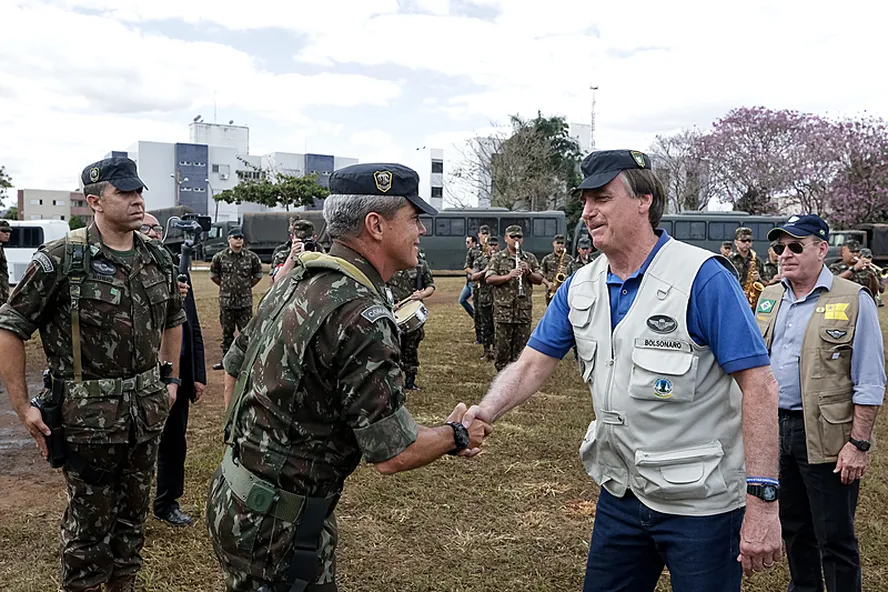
(684, 444)
(826, 350)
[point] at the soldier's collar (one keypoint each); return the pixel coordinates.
(344, 252)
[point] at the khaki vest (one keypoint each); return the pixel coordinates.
(824, 366)
(667, 417)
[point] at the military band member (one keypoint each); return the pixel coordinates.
(867, 255)
(235, 270)
(512, 296)
(771, 269)
(415, 283)
(726, 249)
(855, 268)
(108, 309)
(320, 387)
(555, 263)
(484, 306)
(744, 257)
(473, 251)
(584, 255)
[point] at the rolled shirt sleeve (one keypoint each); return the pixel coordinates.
(868, 355)
(21, 314)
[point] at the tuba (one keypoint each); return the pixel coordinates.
(752, 289)
(560, 275)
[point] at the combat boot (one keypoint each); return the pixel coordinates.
(410, 383)
(121, 584)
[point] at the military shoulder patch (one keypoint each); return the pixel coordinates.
(375, 312)
(766, 306)
(43, 260)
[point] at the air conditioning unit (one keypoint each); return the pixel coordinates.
(223, 176)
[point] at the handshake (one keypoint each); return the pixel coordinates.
(477, 425)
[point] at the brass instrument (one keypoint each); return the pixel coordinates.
(518, 266)
(560, 275)
(882, 272)
(751, 288)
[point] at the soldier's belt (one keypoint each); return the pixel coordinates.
(261, 496)
(109, 387)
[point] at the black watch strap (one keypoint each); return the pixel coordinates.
(460, 437)
(764, 491)
(861, 445)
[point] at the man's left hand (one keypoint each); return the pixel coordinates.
(851, 464)
(172, 389)
(198, 390)
(183, 289)
(760, 536)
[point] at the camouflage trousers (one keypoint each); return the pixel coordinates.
(231, 319)
(254, 549)
(510, 340)
(484, 318)
(410, 350)
(102, 531)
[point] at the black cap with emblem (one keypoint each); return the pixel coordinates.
(603, 166)
(388, 179)
(119, 171)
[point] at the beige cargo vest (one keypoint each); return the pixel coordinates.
(824, 366)
(667, 417)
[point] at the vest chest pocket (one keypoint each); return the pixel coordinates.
(586, 356)
(99, 302)
(834, 354)
(663, 375)
(580, 314)
(683, 473)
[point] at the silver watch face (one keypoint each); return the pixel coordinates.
(769, 493)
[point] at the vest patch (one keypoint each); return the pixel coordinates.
(836, 333)
(375, 312)
(103, 267)
(836, 312)
(662, 324)
(45, 263)
(667, 344)
(663, 388)
(766, 306)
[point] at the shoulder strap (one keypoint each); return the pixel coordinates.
(74, 268)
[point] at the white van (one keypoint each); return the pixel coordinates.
(26, 237)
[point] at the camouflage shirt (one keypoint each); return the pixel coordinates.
(306, 435)
(865, 277)
(126, 304)
(577, 263)
(508, 307)
(769, 271)
(4, 276)
(471, 254)
(280, 255)
(741, 264)
(236, 272)
(403, 283)
(483, 290)
(551, 264)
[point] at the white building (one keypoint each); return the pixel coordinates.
(582, 133)
(217, 158)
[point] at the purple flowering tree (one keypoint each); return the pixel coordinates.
(859, 190)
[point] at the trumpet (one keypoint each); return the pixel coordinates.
(882, 272)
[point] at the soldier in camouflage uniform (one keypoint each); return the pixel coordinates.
(235, 270)
(473, 250)
(301, 236)
(584, 255)
(5, 230)
(484, 305)
(415, 283)
(771, 270)
(326, 390)
(558, 261)
(105, 364)
(855, 268)
(742, 258)
(512, 313)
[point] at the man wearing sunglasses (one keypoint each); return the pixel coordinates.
(742, 258)
(826, 350)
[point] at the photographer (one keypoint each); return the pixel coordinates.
(301, 240)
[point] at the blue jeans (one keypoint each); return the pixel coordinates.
(464, 297)
(631, 543)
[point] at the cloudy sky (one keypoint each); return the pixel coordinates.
(375, 79)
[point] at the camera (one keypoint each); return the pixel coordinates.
(309, 245)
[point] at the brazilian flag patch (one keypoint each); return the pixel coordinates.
(766, 306)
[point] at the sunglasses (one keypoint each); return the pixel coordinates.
(744, 240)
(796, 248)
(516, 236)
(146, 228)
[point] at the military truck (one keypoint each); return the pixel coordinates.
(870, 236)
(263, 232)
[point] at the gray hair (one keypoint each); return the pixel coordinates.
(643, 182)
(97, 189)
(345, 213)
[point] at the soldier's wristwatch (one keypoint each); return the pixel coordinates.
(460, 437)
(861, 445)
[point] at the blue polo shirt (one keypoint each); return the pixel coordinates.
(719, 316)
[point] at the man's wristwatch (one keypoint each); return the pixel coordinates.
(171, 380)
(861, 445)
(460, 437)
(767, 492)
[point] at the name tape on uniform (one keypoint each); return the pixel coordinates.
(663, 344)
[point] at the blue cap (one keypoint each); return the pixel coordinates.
(602, 167)
(802, 226)
(119, 171)
(389, 179)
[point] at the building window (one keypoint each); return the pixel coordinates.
(249, 175)
(215, 168)
(61, 217)
(58, 202)
(437, 166)
(184, 189)
(36, 202)
(185, 163)
(199, 189)
(437, 192)
(200, 164)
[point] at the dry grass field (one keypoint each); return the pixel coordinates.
(516, 518)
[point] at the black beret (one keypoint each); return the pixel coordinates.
(388, 179)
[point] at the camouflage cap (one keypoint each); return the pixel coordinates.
(742, 232)
(493, 241)
(853, 245)
(5, 226)
(302, 229)
(514, 229)
(727, 244)
(558, 238)
(484, 229)
(584, 243)
(866, 253)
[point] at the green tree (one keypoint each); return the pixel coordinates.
(276, 189)
(75, 222)
(12, 213)
(5, 182)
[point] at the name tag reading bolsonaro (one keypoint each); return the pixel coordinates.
(663, 344)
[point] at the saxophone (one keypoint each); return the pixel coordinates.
(751, 288)
(560, 275)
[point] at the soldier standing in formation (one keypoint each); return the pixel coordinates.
(512, 296)
(473, 251)
(484, 303)
(109, 314)
(282, 258)
(855, 268)
(584, 255)
(415, 283)
(326, 391)
(5, 230)
(558, 261)
(771, 270)
(726, 249)
(742, 258)
(235, 270)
